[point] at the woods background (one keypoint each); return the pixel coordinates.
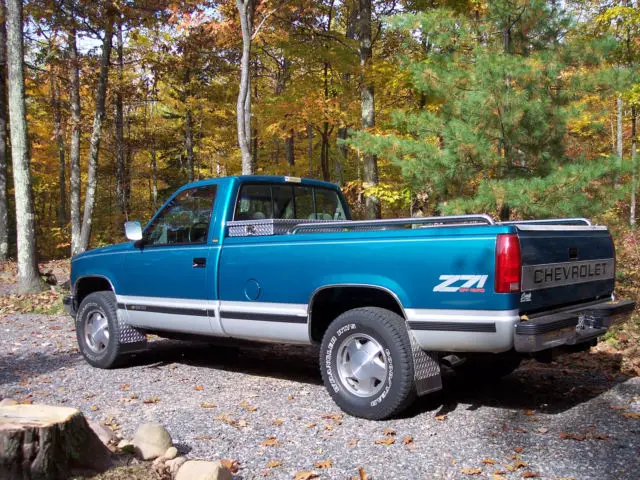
(517, 108)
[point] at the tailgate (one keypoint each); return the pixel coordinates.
(564, 265)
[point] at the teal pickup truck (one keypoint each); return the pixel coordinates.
(278, 259)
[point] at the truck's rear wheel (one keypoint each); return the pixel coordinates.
(366, 363)
(98, 331)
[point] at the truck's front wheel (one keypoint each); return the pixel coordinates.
(98, 331)
(366, 363)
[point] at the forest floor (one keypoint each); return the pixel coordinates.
(265, 406)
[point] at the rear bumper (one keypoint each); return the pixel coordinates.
(69, 305)
(570, 327)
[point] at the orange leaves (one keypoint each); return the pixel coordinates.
(151, 400)
(198, 388)
(305, 475)
(271, 442)
(324, 464)
(386, 441)
(273, 463)
(207, 405)
(232, 465)
(441, 418)
(471, 471)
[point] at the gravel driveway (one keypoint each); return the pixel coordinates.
(563, 420)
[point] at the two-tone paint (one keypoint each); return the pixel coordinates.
(264, 287)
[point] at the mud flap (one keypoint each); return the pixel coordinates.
(131, 339)
(426, 369)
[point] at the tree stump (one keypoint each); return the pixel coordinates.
(48, 442)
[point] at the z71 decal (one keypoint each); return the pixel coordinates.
(461, 283)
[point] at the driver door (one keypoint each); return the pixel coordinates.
(169, 283)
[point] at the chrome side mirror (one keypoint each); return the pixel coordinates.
(133, 231)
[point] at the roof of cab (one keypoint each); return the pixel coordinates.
(264, 179)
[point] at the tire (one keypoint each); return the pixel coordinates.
(489, 367)
(383, 384)
(98, 331)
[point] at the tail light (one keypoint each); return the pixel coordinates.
(508, 263)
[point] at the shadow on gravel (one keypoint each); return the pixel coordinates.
(549, 388)
(290, 362)
(14, 367)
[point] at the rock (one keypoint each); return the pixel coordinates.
(8, 401)
(105, 435)
(171, 453)
(151, 441)
(175, 464)
(201, 470)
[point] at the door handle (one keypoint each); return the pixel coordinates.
(199, 262)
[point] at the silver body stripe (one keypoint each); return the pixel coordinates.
(559, 228)
(455, 341)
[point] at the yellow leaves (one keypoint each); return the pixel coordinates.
(441, 418)
(198, 388)
(389, 432)
(352, 443)
(271, 442)
(273, 463)
(151, 400)
(362, 474)
(632, 415)
(324, 464)
(207, 405)
(408, 440)
(227, 419)
(277, 422)
(93, 408)
(488, 461)
(232, 465)
(386, 441)
(305, 475)
(471, 471)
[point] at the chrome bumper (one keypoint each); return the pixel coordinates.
(69, 305)
(570, 327)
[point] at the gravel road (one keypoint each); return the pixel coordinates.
(562, 420)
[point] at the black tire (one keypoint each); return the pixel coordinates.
(488, 366)
(103, 303)
(389, 330)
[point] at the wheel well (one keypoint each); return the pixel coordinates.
(87, 285)
(329, 303)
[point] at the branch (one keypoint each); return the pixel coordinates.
(264, 19)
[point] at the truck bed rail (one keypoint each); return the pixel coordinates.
(549, 221)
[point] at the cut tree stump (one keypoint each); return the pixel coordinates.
(48, 442)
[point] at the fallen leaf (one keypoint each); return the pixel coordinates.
(198, 388)
(208, 405)
(232, 465)
(151, 400)
(244, 404)
(277, 422)
(518, 449)
(488, 461)
(542, 430)
(271, 442)
(471, 471)
(498, 477)
(386, 441)
(324, 464)
(290, 397)
(441, 418)
(124, 386)
(389, 431)
(362, 473)
(407, 440)
(600, 436)
(273, 463)
(520, 430)
(352, 443)
(252, 409)
(572, 436)
(499, 472)
(529, 412)
(306, 475)
(241, 423)
(333, 416)
(93, 408)
(511, 468)
(633, 415)
(530, 474)
(204, 437)
(310, 425)
(133, 396)
(521, 464)
(328, 427)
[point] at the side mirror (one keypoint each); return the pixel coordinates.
(133, 231)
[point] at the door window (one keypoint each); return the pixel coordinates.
(185, 220)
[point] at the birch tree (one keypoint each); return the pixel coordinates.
(4, 208)
(74, 150)
(28, 275)
(243, 106)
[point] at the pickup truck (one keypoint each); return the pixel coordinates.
(389, 302)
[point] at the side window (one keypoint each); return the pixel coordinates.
(185, 220)
(328, 205)
(254, 203)
(304, 203)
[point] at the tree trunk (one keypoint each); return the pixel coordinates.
(43, 441)
(57, 131)
(243, 105)
(28, 275)
(4, 207)
(370, 179)
(310, 148)
(188, 143)
(618, 178)
(634, 146)
(154, 179)
(119, 126)
(74, 152)
(96, 135)
(289, 150)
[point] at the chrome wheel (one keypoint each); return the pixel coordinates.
(362, 365)
(96, 331)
